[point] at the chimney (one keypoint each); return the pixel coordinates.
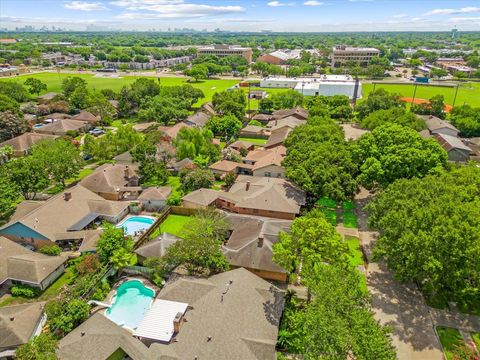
(127, 172)
(12, 318)
(177, 322)
(260, 241)
(82, 333)
(67, 196)
(247, 186)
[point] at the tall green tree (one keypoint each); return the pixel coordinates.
(392, 152)
(9, 192)
(111, 240)
(60, 159)
(35, 86)
(11, 125)
(430, 233)
(230, 103)
(312, 239)
(41, 347)
(29, 175)
(70, 84)
(394, 115)
(226, 126)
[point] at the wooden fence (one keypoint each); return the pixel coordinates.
(146, 235)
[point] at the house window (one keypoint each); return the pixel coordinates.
(255, 211)
(268, 174)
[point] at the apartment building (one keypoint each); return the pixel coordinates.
(226, 50)
(343, 54)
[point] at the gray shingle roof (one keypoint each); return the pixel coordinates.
(18, 331)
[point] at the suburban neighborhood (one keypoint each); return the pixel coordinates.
(209, 194)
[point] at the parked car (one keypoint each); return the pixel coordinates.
(96, 132)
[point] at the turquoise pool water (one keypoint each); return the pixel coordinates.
(136, 223)
(130, 303)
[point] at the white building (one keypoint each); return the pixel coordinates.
(327, 85)
(342, 54)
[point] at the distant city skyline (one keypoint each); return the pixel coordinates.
(246, 15)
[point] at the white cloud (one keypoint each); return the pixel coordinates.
(84, 6)
(278, 4)
(170, 9)
(464, 10)
(400, 16)
(312, 3)
(460, 19)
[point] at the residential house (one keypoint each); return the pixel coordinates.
(87, 117)
(199, 119)
(263, 118)
(156, 247)
(250, 245)
(19, 265)
(438, 126)
(171, 132)
(124, 158)
(65, 219)
(64, 126)
(183, 164)
(252, 195)
(144, 127)
(255, 131)
(209, 109)
(223, 167)
(277, 137)
(18, 324)
(154, 198)
(457, 151)
(287, 121)
(188, 321)
(267, 162)
(298, 112)
(22, 144)
(239, 145)
(232, 315)
(99, 338)
(114, 182)
(45, 98)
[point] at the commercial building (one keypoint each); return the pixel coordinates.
(226, 50)
(326, 85)
(343, 54)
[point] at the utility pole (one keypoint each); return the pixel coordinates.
(414, 93)
(249, 112)
(455, 97)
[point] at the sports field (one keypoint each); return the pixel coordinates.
(468, 93)
(102, 81)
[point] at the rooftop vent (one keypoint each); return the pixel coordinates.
(67, 196)
(177, 322)
(12, 318)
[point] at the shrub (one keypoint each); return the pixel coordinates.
(24, 291)
(175, 199)
(89, 264)
(102, 291)
(51, 250)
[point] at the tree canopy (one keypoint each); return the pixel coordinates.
(430, 232)
(394, 115)
(379, 100)
(392, 152)
(466, 119)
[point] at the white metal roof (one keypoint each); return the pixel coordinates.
(157, 324)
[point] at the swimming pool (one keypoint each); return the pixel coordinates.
(130, 303)
(136, 223)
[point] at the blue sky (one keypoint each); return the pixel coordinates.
(245, 15)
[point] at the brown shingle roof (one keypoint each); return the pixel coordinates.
(278, 137)
(156, 193)
(298, 112)
(237, 309)
(435, 123)
(157, 247)
(86, 116)
(109, 178)
(25, 141)
(141, 127)
(250, 244)
(265, 157)
(172, 131)
(198, 119)
(290, 121)
(56, 216)
(18, 331)
(19, 263)
(97, 339)
(60, 127)
(202, 197)
(224, 165)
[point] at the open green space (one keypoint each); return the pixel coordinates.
(330, 215)
(349, 219)
(449, 338)
(327, 203)
(348, 205)
(354, 251)
(254, 140)
(174, 224)
(99, 82)
(468, 92)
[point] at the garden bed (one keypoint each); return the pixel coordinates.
(450, 339)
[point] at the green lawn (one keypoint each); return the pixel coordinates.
(355, 253)
(218, 184)
(326, 202)
(348, 205)
(54, 81)
(449, 338)
(468, 93)
(82, 174)
(349, 219)
(330, 215)
(174, 182)
(476, 339)
(174, 224)
(254, 140)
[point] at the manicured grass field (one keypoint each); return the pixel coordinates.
(54, 81)
(326, 202)
(254, 140)
(355, 254)
(468, 93)
(349, 219)
(449, 338)
(174, 224)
